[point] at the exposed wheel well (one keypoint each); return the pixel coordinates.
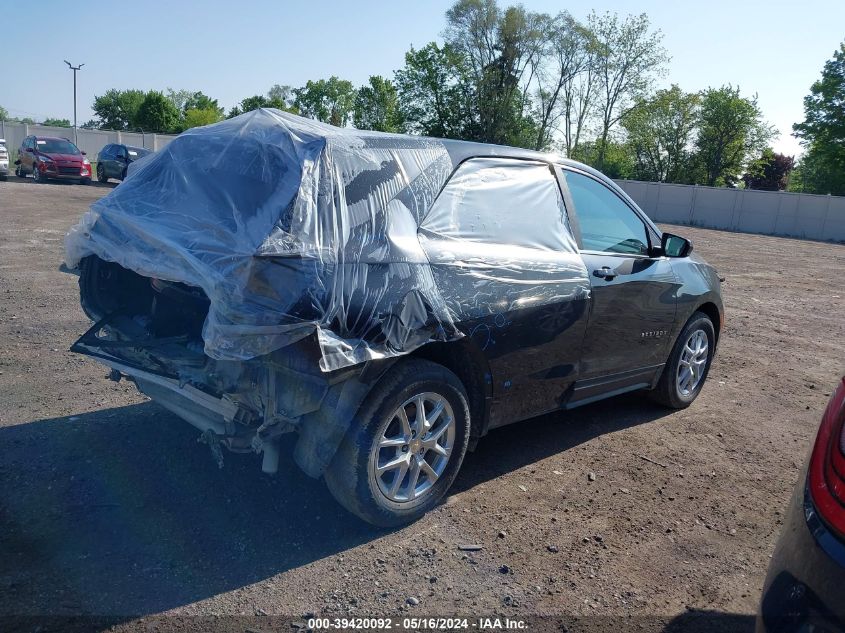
(470, 366)
(712, 311)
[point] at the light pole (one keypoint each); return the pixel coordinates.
(74, 69)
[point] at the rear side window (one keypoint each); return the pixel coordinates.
(502, 201)
(607, 223)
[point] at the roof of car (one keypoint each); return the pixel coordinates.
(461, 150)
(50, 138)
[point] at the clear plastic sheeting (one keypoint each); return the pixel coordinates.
(294, 228)
(498, 239)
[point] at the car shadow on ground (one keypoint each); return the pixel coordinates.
(517, 445)
(120, 511)
(708, 621)
(27, 180)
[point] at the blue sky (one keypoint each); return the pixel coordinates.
(231, 50)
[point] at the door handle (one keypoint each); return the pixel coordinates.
(605, 273)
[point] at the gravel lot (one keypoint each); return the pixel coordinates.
(109, 507)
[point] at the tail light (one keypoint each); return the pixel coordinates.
(827, 464)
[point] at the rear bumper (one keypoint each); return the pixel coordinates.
(215, 417)
(803, 591)
(244, 407)
(204, 411)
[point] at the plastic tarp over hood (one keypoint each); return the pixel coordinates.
(294, 228)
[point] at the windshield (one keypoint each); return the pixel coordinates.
(137, 152)
(56, 146)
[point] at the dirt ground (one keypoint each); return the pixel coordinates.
(109, 506)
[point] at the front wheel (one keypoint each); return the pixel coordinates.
(101, 174)
(37, 176)
(405, 445)
(688, 364)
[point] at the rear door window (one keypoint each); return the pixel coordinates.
(509, 202)
(608, 225)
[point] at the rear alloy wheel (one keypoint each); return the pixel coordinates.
(101, 173)
(688, 364)
(414, 448)
(405, 446)
(19, 172)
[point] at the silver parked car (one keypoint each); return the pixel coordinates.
(4, 160)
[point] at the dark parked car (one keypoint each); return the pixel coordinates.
(389, 299)
(805, 586)
(114, 159)
(51, 158)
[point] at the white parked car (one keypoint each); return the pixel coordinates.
(4, 159)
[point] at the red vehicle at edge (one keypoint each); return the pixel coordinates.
(47, 157)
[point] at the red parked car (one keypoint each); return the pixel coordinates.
(804, 587)
(48, 157)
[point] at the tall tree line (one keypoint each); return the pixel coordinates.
(507, 75)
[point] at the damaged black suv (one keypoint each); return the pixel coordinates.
(389, 299)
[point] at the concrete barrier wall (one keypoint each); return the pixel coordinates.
(767, 212)
(89, 141)
(770, 213)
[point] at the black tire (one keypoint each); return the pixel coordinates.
(668, 391)
(101, 174)
(351, 476)
(37, 176)
(19, 172)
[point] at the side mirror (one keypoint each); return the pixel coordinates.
(84, 153)
(675, 245)
(29, 150)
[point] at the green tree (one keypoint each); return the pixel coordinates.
(157, 114)
(564, 88)
(435, 97)
(660, 132)
(618, 158)
(118, 109)
(197, 117)
(179, 98)
(823, 130)
(731, 130)
(628, 55)
(282, 97)
(329, 100)
(4, 114)
(500, 47)
(770, 172)
(253, 103)
(377, 106)
(56, 122)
